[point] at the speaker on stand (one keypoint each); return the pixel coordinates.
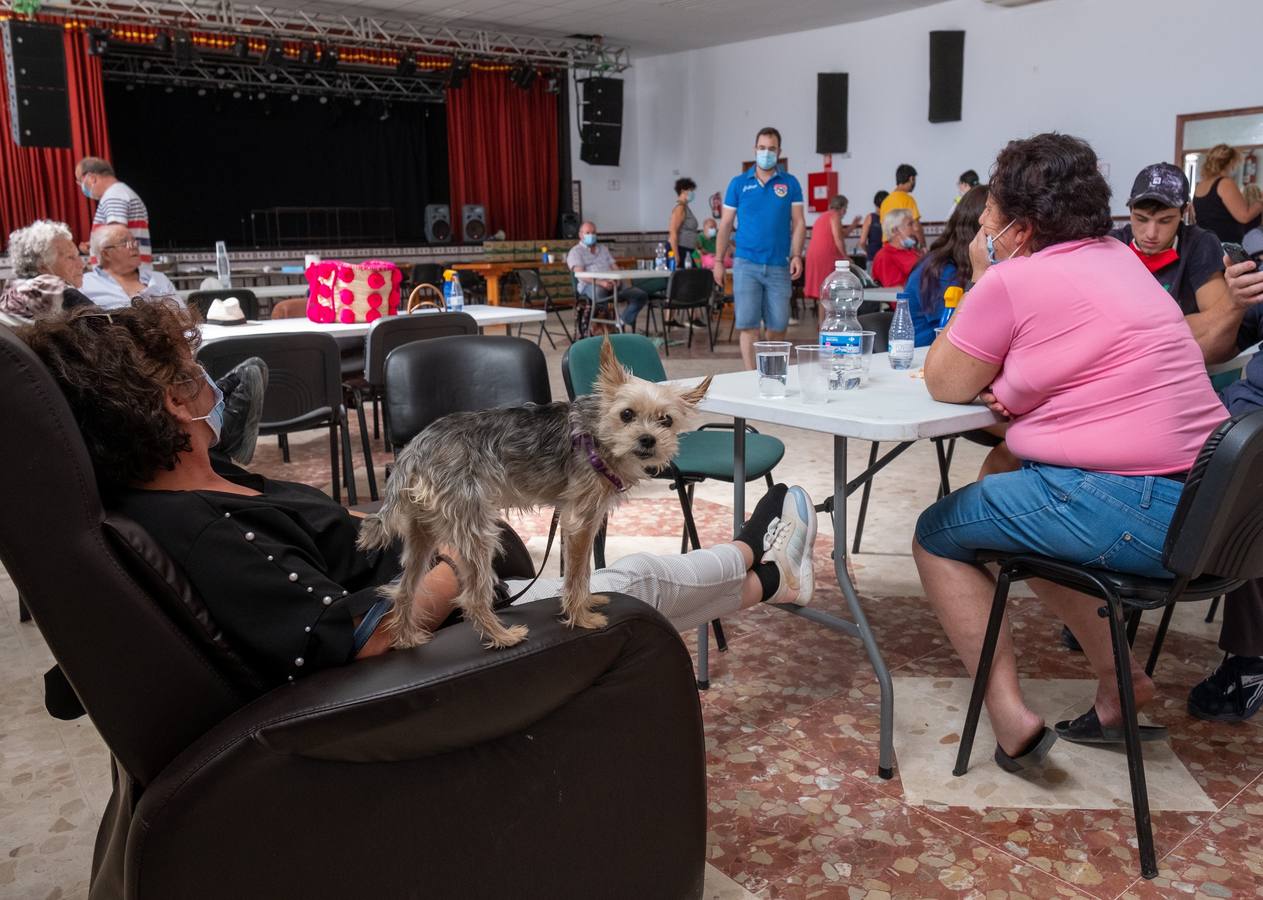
(438, 224)
(473, 219)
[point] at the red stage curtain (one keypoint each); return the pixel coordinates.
(38, 182)
(502, 152)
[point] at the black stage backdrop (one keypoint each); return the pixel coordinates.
(201, 164)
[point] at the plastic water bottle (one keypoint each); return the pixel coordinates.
(841, 294)
(688, 260)
(223, 273)
(455, 294)
(951, 300)
(660, 257)
(543, 256)
(902, 335)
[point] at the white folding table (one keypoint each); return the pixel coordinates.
(485, 316)
(893, 407)
(619, 277)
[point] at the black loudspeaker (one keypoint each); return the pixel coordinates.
(602, 100)
(947, 68)
(831, 90)
(438, 224)
(473, 218)
(600, 144)
(35, 64)
(570, 226)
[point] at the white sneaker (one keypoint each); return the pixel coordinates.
(788, 543)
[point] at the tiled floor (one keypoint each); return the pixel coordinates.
(796, 809)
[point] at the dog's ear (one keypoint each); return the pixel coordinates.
(611, 375)
(694, 396)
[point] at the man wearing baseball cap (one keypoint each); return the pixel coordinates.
(1186, 260)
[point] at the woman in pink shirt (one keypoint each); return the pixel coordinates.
(1110, 404)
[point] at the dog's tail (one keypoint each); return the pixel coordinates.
(374, 535)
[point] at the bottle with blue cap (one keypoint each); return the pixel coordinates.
(903, 335)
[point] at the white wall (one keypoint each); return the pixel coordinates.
(1116, 72)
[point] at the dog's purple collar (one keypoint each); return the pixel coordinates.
(583, 441)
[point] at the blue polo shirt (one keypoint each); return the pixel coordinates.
(764, 211)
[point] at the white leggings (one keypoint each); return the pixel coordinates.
(689, 589)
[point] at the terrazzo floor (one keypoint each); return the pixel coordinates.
(796, 809)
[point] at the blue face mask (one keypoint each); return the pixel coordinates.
(214, 418)
(589, 239)
(991, 257)
(691, 195)
(908, 243)
(83, 186)
(765, 160)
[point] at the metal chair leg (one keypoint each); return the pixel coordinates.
(24, 614)
(721, 641)
(983, 672)
(944, 464)
(348, 464)
(703, 657)
(367, 446)
(1131, 736)
(282, 441)
(1159, 638)
(377, 415)
(1214, 608)
(1132, 618)
(333, 463)
(868, 486)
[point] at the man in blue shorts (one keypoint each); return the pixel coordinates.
(768, 256)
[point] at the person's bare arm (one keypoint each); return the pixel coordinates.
(839, 233)
(799, 225)
(953, 376)
(721, 242)
(868, 223)
(1236, 204)
(1215, 324)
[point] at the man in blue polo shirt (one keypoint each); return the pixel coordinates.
(768, 256)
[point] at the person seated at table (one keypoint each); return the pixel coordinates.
(589, 255)
(1107, 416)
(945, 265)
(704, 253)
(1234, 691)
(118, 277)
(47, 273)
(899, 255)
(1185, 259)
(276, 562)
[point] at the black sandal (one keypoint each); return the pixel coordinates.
(1087, 729)
(1032, 757)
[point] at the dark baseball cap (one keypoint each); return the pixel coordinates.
(1162, 182)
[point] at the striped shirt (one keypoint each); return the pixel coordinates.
(123, 206)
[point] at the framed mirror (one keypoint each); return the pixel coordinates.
(1196, 133)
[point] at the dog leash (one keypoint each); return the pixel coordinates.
(552, 532)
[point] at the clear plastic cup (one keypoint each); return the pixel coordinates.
(815, 365)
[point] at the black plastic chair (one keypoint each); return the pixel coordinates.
(425, 273)
(1214, 544)
(688, 290)
(472, 285)
(426, 380)
(533, 295)
(304, 390)
(203, 300)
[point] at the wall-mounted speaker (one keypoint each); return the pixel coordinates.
(600, 144)
(600, 120)
(438, 224)
(35, 65)
(831, 96)
(473, 217)
(947, 69)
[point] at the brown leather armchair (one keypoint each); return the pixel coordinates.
(568, 766)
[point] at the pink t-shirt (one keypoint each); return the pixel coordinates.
(1096, 363)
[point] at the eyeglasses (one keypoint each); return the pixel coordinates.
(130, 244)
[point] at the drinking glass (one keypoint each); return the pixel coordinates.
(772, 359)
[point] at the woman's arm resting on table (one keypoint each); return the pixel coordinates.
(953, 376)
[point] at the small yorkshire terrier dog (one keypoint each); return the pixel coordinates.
(452, 479)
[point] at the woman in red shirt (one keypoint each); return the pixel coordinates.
(828, 245)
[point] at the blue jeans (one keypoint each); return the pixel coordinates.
(760, 294)
(633, 298)
(1116, 522)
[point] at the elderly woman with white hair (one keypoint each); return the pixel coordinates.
(118, 277)
(899, 256)
(47, 274)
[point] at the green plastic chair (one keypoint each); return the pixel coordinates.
(704, 453)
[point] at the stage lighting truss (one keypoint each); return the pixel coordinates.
(583, 54)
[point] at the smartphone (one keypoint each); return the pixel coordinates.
(1238, 254)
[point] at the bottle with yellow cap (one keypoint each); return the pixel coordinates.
(951, 300)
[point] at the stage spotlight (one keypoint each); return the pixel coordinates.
(385, 112)
(328, 58)
(356, 102)
(162, 42)
(241, 48)
(201, 92)
(261, 95)
(236, 95)
(307, 55)
(523, 75)
(458, 72)
(98, 41)
(407, 66)
(274, 55)
(183, 50)
(293, 98)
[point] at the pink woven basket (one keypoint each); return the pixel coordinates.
(352, 292)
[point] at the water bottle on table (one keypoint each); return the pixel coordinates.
(223, 272)
(903, 336)
(454, 294)
(660, 257)
(841, 294)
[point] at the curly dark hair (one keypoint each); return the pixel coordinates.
(685, 184)
(114, 367)
(1052, 183)
(952, 246)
